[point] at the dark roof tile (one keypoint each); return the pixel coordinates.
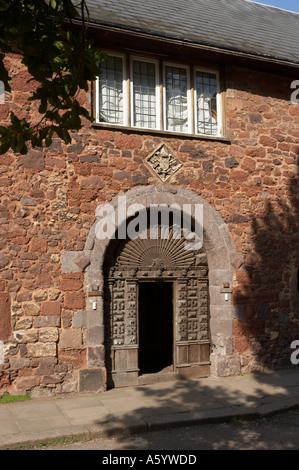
(239, 25)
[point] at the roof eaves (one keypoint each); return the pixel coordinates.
(190, 41)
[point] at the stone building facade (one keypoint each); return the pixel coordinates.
(56, 317)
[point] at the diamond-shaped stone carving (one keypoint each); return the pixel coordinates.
(163, 162)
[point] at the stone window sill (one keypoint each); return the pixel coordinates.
(136, 130)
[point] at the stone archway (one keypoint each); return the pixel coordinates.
(221, 258)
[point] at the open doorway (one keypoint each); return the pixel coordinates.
(155, 326)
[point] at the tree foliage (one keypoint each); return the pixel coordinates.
(61, 59)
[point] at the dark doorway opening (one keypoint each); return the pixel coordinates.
(155, 326)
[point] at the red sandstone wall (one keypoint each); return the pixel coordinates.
(47, 204)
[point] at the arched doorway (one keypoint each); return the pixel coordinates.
(156, 311)
(222, 260)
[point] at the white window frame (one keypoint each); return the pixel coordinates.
(187, 68)
(218, 103)
(124, 90)
(160, 88)
(157, 90)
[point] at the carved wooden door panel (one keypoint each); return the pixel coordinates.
(121, 344)
(192, 326)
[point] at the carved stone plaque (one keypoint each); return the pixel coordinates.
(163, 162)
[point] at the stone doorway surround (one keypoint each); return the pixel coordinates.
(222, 262)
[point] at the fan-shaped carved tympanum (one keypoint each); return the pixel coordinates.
(159, 254)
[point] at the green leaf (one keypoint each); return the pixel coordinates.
(43, 106)
(14, 120)
(63, 135)
(4, 147)
(4, 5)
(49, 139)
(62, 62)
(69, 9)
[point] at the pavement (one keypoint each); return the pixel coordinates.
(145, 408)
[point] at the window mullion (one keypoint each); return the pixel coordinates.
(192, 102)
(161, 97)
(97, 100)
(127, 93)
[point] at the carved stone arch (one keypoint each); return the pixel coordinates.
(222, 261)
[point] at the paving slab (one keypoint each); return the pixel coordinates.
(133, 410)
(80, 401)
(8, 424)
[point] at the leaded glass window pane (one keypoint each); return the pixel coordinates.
(206, 103)
(111, 102)
(176, 84)
(144, 94)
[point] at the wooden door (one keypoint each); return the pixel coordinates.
(155, 318)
